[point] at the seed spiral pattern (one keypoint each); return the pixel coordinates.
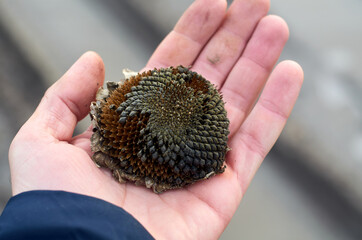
(164, 128)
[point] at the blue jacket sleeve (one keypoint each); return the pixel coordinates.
(64, 215)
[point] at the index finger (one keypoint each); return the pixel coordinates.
(184, 43)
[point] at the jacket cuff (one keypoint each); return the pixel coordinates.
(65, 215)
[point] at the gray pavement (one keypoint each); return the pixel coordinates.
(327, 121)
(275, 208)
(325, 129)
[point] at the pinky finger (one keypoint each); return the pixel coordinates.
(266, 121)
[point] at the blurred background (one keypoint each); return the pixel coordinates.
(309, 186)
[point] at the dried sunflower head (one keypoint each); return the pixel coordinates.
(164, 128)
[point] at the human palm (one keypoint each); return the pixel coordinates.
(236, 50)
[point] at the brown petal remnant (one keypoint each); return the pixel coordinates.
(164, 128)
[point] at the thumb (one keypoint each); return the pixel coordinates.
(67, 101)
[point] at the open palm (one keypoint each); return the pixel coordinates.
(236, 50)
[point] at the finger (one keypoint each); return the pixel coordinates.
(250, 73)
(193, 30)
(83, 140)
(67, 101)
(86, 134)
(264, 124)
(226, 46)
(80, 137)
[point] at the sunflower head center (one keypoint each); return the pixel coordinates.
(174, 107)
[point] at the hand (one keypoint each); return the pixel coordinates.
(236, 50)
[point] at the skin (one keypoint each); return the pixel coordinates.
(236, 50)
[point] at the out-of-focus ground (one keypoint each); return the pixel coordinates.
(309, 187)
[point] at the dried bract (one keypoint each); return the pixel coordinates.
(163, 128)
